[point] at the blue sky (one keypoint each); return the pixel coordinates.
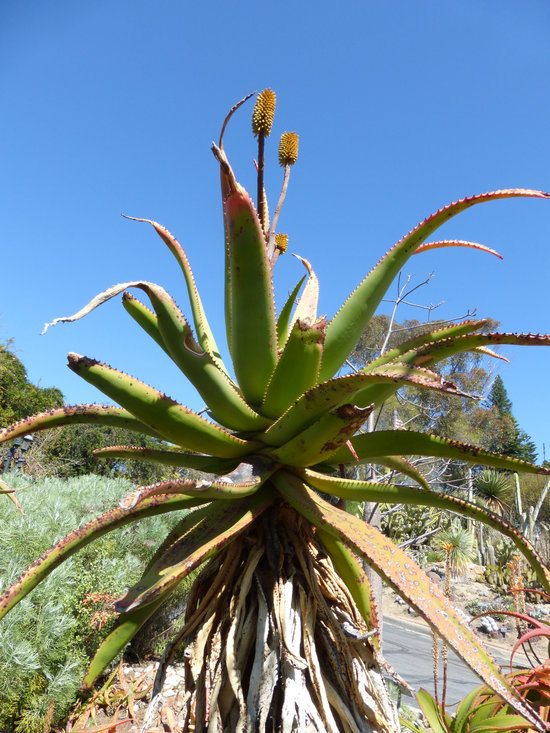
(401, 107)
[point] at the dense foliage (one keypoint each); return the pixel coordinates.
(18, 396)
(69, 451)
(46, 644)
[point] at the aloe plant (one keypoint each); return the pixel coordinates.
(481, 711)
(281, 624)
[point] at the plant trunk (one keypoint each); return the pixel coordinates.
(274, 641)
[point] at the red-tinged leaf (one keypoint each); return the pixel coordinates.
(349, 322)
(408, 580)
(395, 494)
(456, 243)
(352, 450)
(204, 334)
(540, 629)
(76, 415)
(489, 352)
(439, 334)
(432, 353)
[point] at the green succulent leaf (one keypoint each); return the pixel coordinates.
(225, 402)
(439, 334)
(407, 579)
(284, 317)
(427, 353)
(433, 713)
(253, 325)
(345, 328)
(297, 369)
(168, 458)
(352, 573)
(171, 420)
(405, 442)
(402, 374)
(315, 402)
(242, 481)
(495, 723)
(401, 465)
(76, 415)
(321, 440)
(395, 494)
(128, 624)
(434, 352)
(204, 333)
(124, 631)
(484, 710)
(144, 317)
(465, 707)
(168, 327)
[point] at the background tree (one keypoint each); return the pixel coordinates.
(19, 398)
(518, 444)
(67, 451)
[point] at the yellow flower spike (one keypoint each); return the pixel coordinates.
(264, 111)
(281, 242)
(288, 148)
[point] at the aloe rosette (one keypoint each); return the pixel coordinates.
(283, 596)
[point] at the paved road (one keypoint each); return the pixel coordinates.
(408, 648)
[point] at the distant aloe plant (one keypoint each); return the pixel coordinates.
(458, 544)
(280, 624)
(494, 489)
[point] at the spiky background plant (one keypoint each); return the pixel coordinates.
(281, 628)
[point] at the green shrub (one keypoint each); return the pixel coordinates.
(46, 642)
